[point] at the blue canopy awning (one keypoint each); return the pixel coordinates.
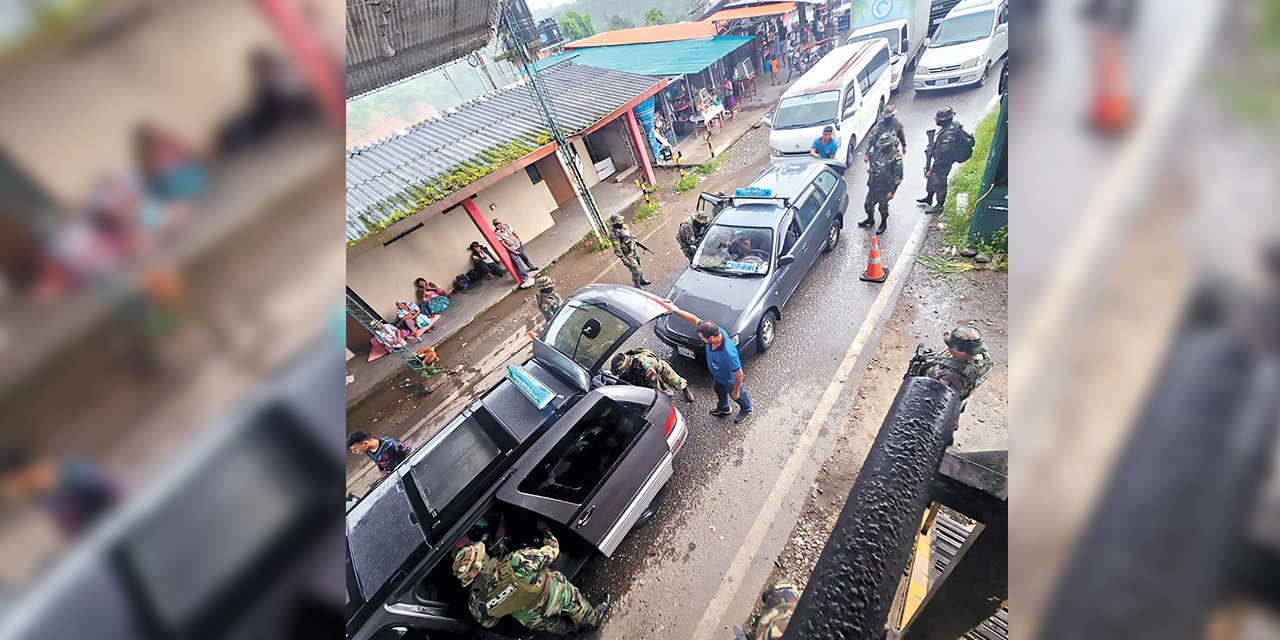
(676, 58)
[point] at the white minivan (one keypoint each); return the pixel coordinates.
(966, 46)
(846, 89)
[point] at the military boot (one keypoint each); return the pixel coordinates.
(688, 397)
(928, 197)
(602, 609)
(871, 219)
(884, 220)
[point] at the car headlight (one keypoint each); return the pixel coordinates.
(972, 63)
(775, 153)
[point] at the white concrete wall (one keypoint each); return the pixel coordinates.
(65, 119)
(588, 170)
(614, 137)
(438, 250)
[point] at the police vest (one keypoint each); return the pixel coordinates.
(509, 594)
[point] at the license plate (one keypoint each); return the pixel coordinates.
(684, 351)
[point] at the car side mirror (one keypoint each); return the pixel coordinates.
(906, 46)
(591, 328)
(1001, 28)
(786, 260)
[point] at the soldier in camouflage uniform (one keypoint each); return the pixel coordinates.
(691, 231)
(890, 124)
(624, 246)
(779, 605)
(963, 366)
(942, 156)
(883, 177)
(548, 300)
(644, 368)
(497, 586)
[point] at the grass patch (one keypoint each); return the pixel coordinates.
(590, 244)
(713, 165)
(939, 267)
(968, 179)
(687, 182)
(647, 210)
(430, 370)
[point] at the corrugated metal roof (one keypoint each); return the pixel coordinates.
(752, 12)
(641, 35)
(654, 59)
(389, 41)
(470, 141)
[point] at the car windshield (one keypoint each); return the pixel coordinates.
(891, 35)
(736, 251)
(807, 110)
(570, 333)
(966, 28)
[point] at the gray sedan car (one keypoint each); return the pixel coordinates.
(761, 243)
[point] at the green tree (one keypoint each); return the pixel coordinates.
(576, 26)
(654, 16)
(620, 22)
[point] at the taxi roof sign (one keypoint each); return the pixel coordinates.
(753, 192)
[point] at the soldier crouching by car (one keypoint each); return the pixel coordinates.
(643, 368)
(522, 585)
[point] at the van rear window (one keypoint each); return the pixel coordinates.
(587, 454)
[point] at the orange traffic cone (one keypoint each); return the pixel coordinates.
(874, 272)
(1111, 109)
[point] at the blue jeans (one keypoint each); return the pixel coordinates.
(519, 254)
(516, 263)
(722, 394)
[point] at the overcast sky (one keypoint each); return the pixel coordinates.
(543, 4)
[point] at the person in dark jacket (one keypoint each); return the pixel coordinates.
(387, 453)
(75, 493)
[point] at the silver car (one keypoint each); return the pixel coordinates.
(759, 246)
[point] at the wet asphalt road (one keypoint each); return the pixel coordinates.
(666, 574)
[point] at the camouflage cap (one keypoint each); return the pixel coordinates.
(781, 593)
(544, 282)
(700, 217)
(889, 111)
(886, 139)
(621, 363)
(467, 562)
(945, 113)
(779, 606)
(965, 339)
(616, 218)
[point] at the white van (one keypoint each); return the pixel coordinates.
(966, 46)
(847, 88)
(904, 23)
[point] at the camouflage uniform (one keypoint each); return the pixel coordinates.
(562, 609)
(548, 300)
(624, 246)
(779, 605)
(962, 374)
(942, 155)
(644, 368)
(883, 177)
(890, 124)
(690, 233)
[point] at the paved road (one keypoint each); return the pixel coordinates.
(667, 574)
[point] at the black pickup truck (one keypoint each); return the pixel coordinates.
(590, 463)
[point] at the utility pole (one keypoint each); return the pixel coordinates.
(520, 54)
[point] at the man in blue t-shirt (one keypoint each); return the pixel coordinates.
(722, 361)
(826, 146)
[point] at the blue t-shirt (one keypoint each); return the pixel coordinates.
(827, 150)
(723, 361)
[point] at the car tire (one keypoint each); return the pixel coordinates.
(767, 331)
(986, 73)
(850, 156)
(880, 109)
(650, 510)
(833, 237)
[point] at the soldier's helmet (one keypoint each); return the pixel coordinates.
(944, 115)
(467, 562)
(781, 593)
(700, 217)
(544, 282)
(886, 140)
(616, 219)
(965, 339)
(889, 112)
(621, 363)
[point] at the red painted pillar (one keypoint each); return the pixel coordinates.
(642, 146)
(310, 58)
(495, 245)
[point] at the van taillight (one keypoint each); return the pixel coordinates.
(671, 422)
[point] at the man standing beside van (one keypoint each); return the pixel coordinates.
(826, 146)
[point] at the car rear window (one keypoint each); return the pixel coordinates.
(463, 452)
(564, 334)
(586, 455)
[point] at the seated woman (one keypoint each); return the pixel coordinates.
(172, 170)
(387, 335)
(410, 317)
(431, 297)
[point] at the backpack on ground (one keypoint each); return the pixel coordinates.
(462, 282)
(963, 145)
